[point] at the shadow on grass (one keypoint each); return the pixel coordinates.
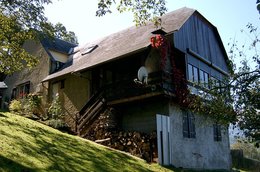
(8, 165)
(61, 152)
(2, 116)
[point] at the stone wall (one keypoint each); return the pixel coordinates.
(201, 152)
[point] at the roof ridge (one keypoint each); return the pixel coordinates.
(118, 44)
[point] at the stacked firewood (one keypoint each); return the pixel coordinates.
(105, 131)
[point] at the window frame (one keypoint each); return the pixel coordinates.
(204, 78)
(193, 74)
(21, 90)
(188, 129)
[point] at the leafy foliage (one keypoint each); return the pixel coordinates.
(61, 32)
(245, 83)
(249, 150)
(143, 10)
(12, 36)
(15, 106)
(55, 110)
(55, 114)
(29, 106)
(21, 20)
(237, 99)
(215, 103)
(56, 123)
(32, 104)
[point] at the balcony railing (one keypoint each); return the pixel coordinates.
(130, 89)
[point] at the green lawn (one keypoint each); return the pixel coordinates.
(26, 145)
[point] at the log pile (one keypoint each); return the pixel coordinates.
(105, 131)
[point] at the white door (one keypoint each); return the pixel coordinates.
(163, 139)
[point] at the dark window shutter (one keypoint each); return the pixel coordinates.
(192, 125)
(27, 88)
(217, 132)
(185, 124)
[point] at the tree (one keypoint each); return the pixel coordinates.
(143, 10)
(61, 32)
(245, 83)
(237, 98)
(21, 20)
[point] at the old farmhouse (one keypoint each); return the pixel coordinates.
(131, 73)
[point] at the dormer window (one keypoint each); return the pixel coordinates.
(58, 65)
(55, 66)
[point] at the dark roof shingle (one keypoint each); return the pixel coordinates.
(57, 44)
(127, 41)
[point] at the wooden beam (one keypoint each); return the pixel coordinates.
(130, 99)
(207, 62)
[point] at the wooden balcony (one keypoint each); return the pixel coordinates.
(127, 91)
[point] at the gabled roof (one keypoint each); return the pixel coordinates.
(122, 43)
(57, 44)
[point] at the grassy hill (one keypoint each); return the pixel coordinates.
(26, 145)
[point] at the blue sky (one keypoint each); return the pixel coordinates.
(229, 16)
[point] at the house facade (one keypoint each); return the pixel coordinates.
(52, 53)
(125, 72)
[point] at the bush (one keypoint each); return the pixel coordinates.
(15, 106)
(249, 149)
(32, 104)
(55, 110)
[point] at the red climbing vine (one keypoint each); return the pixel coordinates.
(179, 81)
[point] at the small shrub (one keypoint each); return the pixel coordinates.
(56, 123)
(249, 149)
(55, 110)
(32, 104)
(15, 106)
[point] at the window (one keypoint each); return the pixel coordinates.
(193, 73)
(188, 125)
(204, 79)
(217, 132)
(55, 66)
(21, 90)
(58, 65)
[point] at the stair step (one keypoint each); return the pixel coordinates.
(89, 114)
(88, 110)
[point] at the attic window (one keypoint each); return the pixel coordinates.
(88, 50)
